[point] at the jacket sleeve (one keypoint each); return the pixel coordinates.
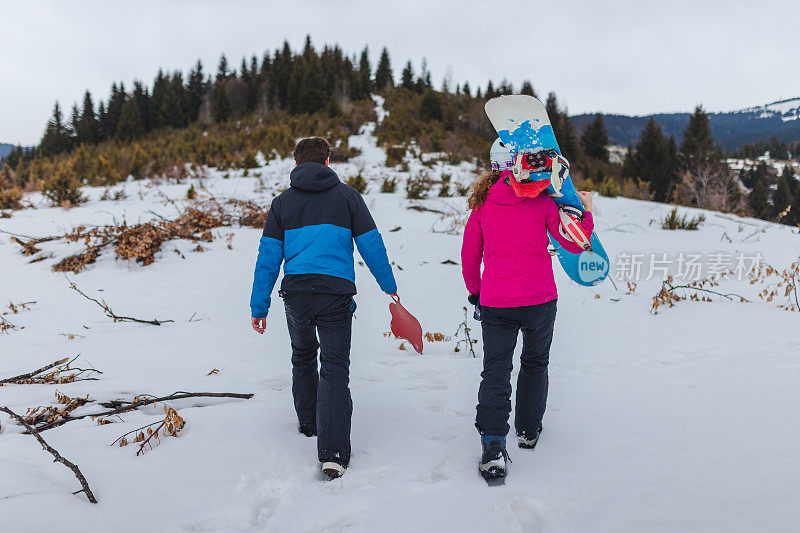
(472, 252)
(370, 246)
(268, 264)
(553, 221)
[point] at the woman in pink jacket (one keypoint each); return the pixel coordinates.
(516, 291)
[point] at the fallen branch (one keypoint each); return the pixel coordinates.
(31, 374)
(5, 325)
(179, 395)
(57, 456)
(760, 230)
(110, 313)
(55, 376)
(29, 248)
(169, 426)
(667, 295)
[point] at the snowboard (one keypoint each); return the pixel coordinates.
(522, 124)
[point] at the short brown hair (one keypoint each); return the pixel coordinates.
(316, 149)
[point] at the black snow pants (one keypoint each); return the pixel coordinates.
(322, 399)
(500, 329)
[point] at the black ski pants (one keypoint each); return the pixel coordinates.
(322, 399)
(500, 329)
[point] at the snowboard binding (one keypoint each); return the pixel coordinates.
(571, 229)
(540, 164)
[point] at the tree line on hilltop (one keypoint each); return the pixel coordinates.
(224, 120)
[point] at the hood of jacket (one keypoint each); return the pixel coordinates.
(313, 177)
(502, 193)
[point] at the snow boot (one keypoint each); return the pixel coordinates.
(494, 459)
(332, 470)
(528, 441)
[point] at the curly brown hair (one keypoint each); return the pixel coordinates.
(480, 189)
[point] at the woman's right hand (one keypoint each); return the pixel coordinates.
(586, 199)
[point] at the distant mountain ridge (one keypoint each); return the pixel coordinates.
(731, 129)
(786, 110)
(5, 149)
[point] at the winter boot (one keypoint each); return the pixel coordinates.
(332, 469)
(528, 440)
(494, 458)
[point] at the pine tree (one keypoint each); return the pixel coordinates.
(266, 67)
(407, 79)
(130, 124)
(308, 49)
(567, 138)
(466, 89)
(505, 88)
(222, 68)
(253, 86)
(424, 79)
(220, 108)
(157, 117)
(102, 120)
(697, 147)
(173, 113)
(87, 130)
(430, 107)
(758, 200)
(56, 138)
(527, 88)
(142, 100)
(788, 175)
(490, 91)
(365, 74)
(297, 74)
(595, 139)
(114, 109)
(195, 88)
(793, 217)
(652, 161)
(551, 106)
(781, 198)
(384, 79)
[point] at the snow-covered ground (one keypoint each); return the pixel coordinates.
(685, 420)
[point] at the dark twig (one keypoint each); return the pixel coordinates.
(151, 424)
(57, 456)
(110, 313)
(467, 340)
(729, 296)
(179, 395)
(31, 374)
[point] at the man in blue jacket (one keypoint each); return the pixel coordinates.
(311, 228)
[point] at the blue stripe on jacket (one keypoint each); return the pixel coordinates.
(371, 247)
(268, 265)
(319, 249)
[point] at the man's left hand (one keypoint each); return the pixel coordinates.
(259, 324)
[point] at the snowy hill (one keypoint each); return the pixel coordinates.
(684, 420)
(786, 110)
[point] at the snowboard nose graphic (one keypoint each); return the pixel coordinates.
(404, 325)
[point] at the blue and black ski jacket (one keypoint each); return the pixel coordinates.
(311, 228)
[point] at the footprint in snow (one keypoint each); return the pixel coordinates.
(526, 512)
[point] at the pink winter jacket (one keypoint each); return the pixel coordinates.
(509, 234)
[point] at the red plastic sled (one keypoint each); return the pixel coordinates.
(404, 325)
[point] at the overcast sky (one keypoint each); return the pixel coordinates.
(633, 57)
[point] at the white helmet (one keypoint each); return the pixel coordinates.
(500, 156)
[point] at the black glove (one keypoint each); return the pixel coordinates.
(474, 299)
